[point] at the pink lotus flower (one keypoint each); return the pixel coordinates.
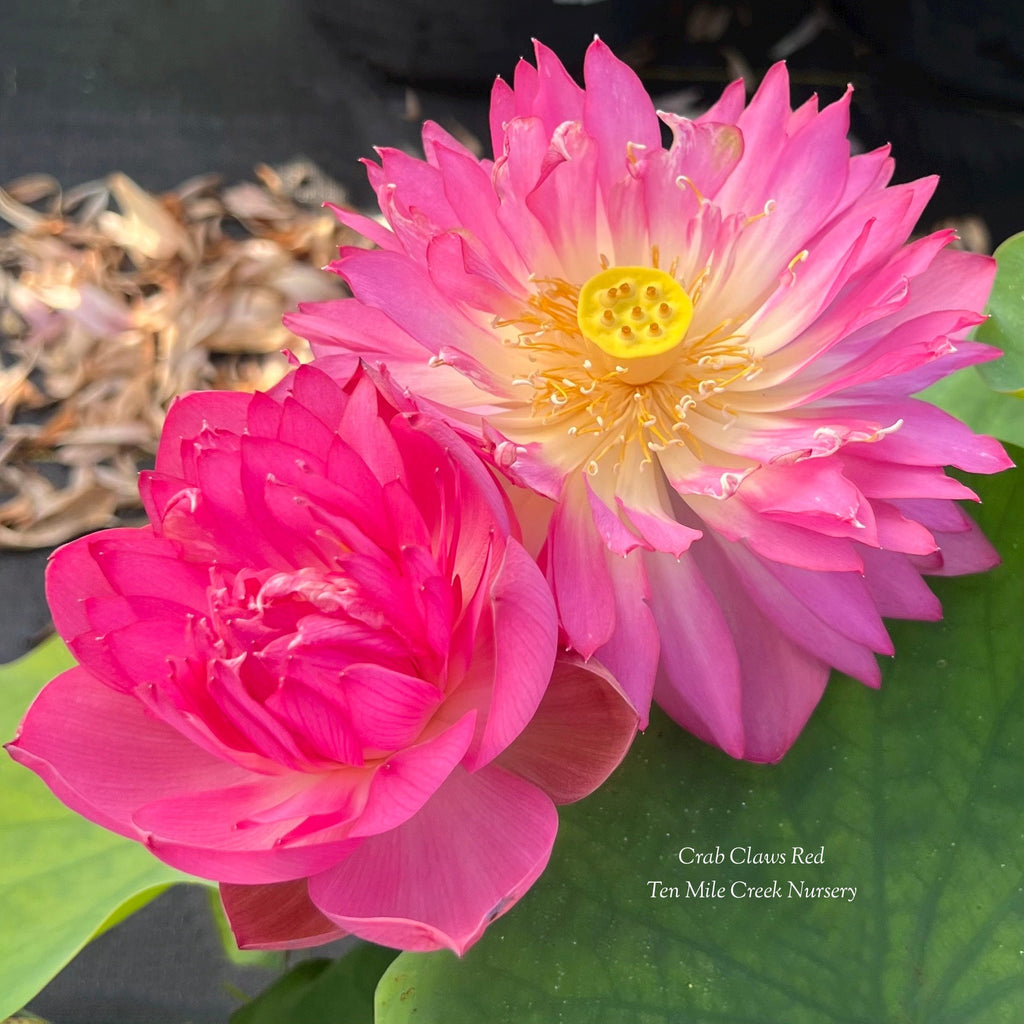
(703, 356)
(321, 676)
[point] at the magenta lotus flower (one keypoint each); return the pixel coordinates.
(321, 676)
(703, 356)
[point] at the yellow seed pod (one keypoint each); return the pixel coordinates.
(634, 312)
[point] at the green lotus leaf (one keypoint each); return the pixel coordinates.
(1005, 326)
(63, 880)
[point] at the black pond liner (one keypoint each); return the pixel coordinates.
(164, 964)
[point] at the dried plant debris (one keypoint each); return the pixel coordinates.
(113, 301)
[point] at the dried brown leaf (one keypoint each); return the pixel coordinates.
(113, 301)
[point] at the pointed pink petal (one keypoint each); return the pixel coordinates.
(564, 202)
(627, 221)
(222, 513)
(805, 187)
(706, 153)
(930, 437)
(892, 480)
(365, 226)
(813, 494)
(524, 85)
(631, 653)
(221, 411)
(362, 708)
(106, 566)
(946, 516)
(661, 532)
(965, 552)
(414, 185)
(617, 112)
(952, 280)
(349, 325)
(122, 562)
(699, 681)
(557, 98)
(869, 172)
(502, 110)
(781, 542)
(261, 731)
(392, 282)
(781, 683)
(762, 125)
(615, 534)
(578, 573)
(515, 174)
(468, 188)
(825, 614)
(728, 107)
(896, 587)
(899, 533)
(448, 258)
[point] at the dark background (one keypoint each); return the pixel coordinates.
(167, 89)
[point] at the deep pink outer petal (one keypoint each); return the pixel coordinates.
(525, 636)
(441, 878)
(104, 756)
(579, 735)
(276, 916)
